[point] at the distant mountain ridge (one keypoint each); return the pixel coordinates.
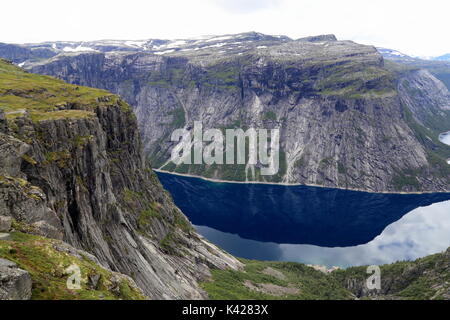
(438, 66)
(445, 57)
(348, 117)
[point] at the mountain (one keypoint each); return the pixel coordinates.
(348, 119)
(21, 53)
(72, 169)
(445, 57)
(440, 68)
(76, 192)
(34, 51)
(395, 55)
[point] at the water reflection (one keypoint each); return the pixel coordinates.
(307, 224)
(422, 232)
(295, 215)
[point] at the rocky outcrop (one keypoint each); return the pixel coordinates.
(342, 114)
(15, 283)
(58, 271)
(77, 173)
(320, 38)
(419, 88)
(2, 121)
(422, 279)
(20, 53)
(5, 223)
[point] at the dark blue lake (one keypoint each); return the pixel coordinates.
(313, 225)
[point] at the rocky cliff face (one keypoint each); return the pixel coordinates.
(423, 279)
(21, 53)
(439, 69)
(72, 168)
(344, 116)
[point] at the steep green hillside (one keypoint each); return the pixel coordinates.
(423, 279)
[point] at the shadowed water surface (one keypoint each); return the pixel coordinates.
(309, 224)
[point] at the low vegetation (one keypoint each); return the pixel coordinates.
(46, 98)
(425, 278)
(48, 270)
(289, 281)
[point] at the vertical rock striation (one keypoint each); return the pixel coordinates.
(77, 172)
(344, 116)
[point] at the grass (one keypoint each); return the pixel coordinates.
(222, 75)
(422, 279)
(46, 98)
(145, 216)
(352, 80)
(270, 115)
(179, 118)
(425, 278)
(61, 158)
(406, 179)
(310, 284)
(63, 114)
(47, 266)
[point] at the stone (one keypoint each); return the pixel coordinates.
(44, 229)
(15, 283)
(5, 236)
(5, 223)
(2, 121)
(93, 280)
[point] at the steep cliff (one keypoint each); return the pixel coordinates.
(20, 53)
(344, 116)
(75, 185)
(72, 168)
(439, 69)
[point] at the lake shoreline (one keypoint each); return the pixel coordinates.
(287, 184)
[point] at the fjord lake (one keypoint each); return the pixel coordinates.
(313, 225)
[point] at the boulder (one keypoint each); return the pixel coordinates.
(5, 223)
(5, 236)
(15, 283)
(2, 121)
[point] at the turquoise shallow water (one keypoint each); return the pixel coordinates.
(313, 225)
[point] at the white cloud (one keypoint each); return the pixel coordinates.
(413, 27)
(247, 6)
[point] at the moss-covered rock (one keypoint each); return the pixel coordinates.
(47, 262)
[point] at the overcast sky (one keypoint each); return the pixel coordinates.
(415, 27)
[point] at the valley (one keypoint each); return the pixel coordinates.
(347, 117)
(77, 185)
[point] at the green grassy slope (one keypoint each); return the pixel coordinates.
(425, 278)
